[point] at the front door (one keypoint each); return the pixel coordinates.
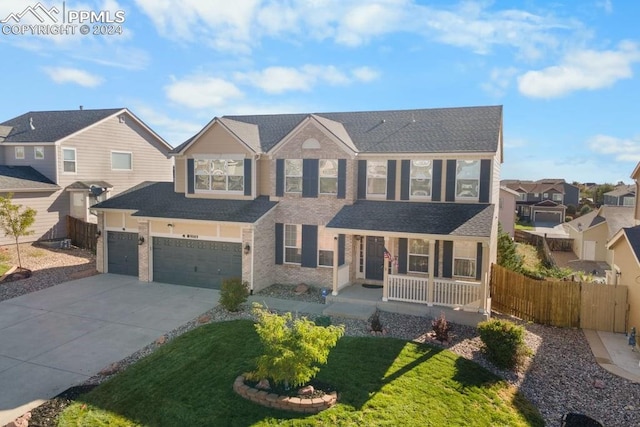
(375, 258)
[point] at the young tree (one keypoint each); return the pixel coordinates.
(507, 255)
(16, 221)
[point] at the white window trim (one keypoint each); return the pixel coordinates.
(453, 267)
(122, 152)
(410, 254)
(36, 149)
(554, 195)
(323, 230)
(301, 176)
(21, 149)
(327, 177)
(468, 179)
(378, 195)
(209, 191)
(420, 197)
(75, 160)
(284, 243)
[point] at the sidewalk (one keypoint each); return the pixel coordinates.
(613, 353)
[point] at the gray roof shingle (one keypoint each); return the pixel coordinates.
(16, 178)
(460, 219)
(50, 126)
(434, 130)
(159, 200)
(633, 236)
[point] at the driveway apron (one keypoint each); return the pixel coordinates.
(59, 337)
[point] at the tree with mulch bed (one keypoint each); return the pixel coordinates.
(15, 221)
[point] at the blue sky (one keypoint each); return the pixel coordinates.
(566, 72)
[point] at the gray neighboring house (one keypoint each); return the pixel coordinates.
(544, 200)
(62, 162)
(404, 199)
(622, 195)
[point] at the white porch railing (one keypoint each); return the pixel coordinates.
(343, 276)
(451, 293)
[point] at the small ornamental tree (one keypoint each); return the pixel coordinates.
(293, 349)
(15, 221)
(507, 254)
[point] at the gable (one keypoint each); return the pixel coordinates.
(311, 139)
(217, 139)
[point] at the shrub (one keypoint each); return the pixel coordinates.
(292, 348)
(441, 328)
(233, 293)
(376, 324)
(323, 321)
(504, 342)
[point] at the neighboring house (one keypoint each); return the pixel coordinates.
(545, 200)
(625, 269)
(592, 231)
(62, 162)
(507, 210)
(403, 199)
(622, 195)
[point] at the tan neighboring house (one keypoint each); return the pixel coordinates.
(404, 199)
(507, 210)
(62, 162)
(592, 231)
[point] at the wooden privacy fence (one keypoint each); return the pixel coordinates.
(82, 234)
(562, 304)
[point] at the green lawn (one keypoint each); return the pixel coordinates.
(381, 381)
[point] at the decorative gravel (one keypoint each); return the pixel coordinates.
(562, 375)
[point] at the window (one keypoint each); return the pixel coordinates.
(376, 178)
(69, 160)
(293, 176)
(328, 182)
(523, 196)
(467, 178)
(557, 197)
(628, 201)
(536, 195)
(325, 247)
(418, 255)
(420, 185)
(121, 161)
(219, 175)
(292, 244)
(464, 259)
(38, 153)
(545, 196)
(20, 153)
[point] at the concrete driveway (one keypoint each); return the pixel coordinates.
(58, 337)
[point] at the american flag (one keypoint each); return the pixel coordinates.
(387, 254)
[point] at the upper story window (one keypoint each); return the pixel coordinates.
(464, 259)
(376, 178)
(19, 153)
(556, 197)
(38, 153)
(69, 160)
(536, 195)
(121, 161)
(328, 180)
(219, 175)
(293, 176)
(523, 196)
(545, 196)
(292, 243)
(420, 185)
(418, 255)
(467, 179)
(325, 247)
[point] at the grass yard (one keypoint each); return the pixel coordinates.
(381, 381)
(529, 255)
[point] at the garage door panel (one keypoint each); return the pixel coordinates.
(122, 253)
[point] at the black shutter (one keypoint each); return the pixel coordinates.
(485, 180)
(340, 249)
(450, 190)
(279, 177)
(279, 242)
(190, 176)
(362, 179)
(436, 181)
(247, 177)
(402, 255)
(391, 179)
(310, 169)
(479, 261)
(447, 261)
(310, 246)
(436, 259)
(342, 178)
(405, 177)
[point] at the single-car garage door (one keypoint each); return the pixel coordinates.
(550, 217)
(122, 253)
(195, 262)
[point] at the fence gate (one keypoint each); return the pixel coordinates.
(603, 307)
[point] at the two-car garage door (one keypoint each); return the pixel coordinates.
(195, 262)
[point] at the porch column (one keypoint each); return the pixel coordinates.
(334, 291)
(485, 277)
(431, 283)
(385, 273)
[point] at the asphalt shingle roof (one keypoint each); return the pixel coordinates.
(461, 219)
(435, 130)
(622, 191)
(159, 200)
(633, 236)
(51, 126)
(17, 178)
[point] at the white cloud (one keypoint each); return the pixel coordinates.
(174, 131)
(500, 80)
(622, 149)
(63, 75)
(580, 70)
(365, 74)
(202, 91)
(606, 5)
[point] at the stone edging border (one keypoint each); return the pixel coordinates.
(296, 404)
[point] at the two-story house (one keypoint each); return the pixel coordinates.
(62, 162)
(622, 195)
(544, 200)
(402, 199)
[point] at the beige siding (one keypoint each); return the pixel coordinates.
(230, 231)
(114, 219)
(217, 140)
(181, 174)
(599, 234)
(625, 261)
(263, 175)
(46, 166)
(494, 197)
(51, 217)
